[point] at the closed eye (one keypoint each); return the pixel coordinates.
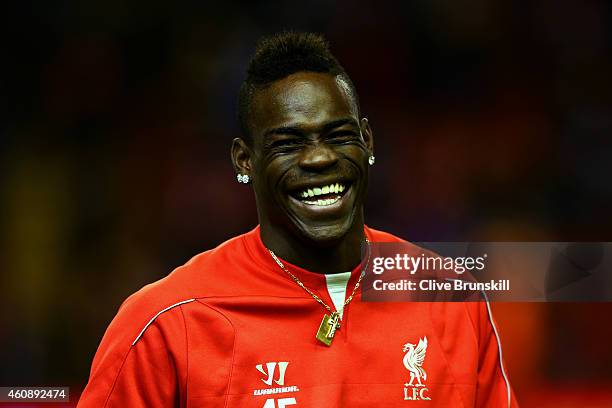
(342, 136)
(286, 143)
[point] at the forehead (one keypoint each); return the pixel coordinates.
(304, 99)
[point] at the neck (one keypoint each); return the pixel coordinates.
(341, 256)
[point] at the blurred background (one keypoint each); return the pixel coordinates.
(492, 120)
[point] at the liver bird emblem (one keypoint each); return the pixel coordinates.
(413, 361)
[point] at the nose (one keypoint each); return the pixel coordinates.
(318, 157)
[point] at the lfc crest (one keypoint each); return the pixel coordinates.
(413, 361)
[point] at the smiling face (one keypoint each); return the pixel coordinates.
(308, 158)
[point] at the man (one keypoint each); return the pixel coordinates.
(274, 317)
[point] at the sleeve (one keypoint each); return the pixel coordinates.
(139, 362)
(493, 388)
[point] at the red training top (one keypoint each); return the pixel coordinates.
(231, 329)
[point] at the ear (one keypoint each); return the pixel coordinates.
(368, 136)
(242, 157)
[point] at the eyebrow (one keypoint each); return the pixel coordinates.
(297, 131)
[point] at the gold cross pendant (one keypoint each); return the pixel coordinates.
(328, 327)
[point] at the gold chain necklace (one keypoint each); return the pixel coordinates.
(330, 322)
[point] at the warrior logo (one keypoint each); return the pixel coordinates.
(271, 367)
(413, 361)
(269, 372)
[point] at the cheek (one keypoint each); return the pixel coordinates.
(276, 170)
(357, 154)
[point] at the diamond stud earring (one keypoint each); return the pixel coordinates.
(243, 179)
(371, 160)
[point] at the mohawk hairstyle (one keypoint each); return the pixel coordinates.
(278, 56)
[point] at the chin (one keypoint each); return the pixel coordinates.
(325, 234)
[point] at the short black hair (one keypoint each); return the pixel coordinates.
(280, 55)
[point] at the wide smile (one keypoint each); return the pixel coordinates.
(324, 198)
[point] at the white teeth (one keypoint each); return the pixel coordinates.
(316, 191)
(323, 203)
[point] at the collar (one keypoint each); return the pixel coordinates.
(314, 281)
